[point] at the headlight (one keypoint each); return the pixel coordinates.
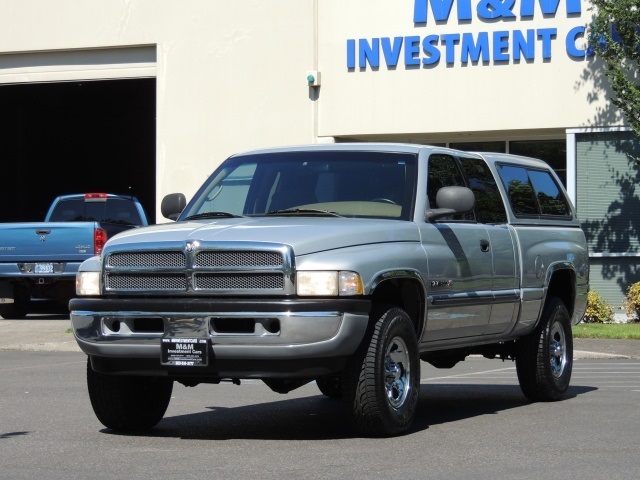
(88, 283)
(328, 284)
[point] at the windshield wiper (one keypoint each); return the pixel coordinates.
(303, 212)
(204, 215)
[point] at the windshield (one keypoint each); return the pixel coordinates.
(345, 183)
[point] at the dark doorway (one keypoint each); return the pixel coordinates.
(76, 137)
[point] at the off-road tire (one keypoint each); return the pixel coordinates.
(382, 381)
(544, 358)
(128, 403)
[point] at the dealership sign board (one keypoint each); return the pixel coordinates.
(475, 47)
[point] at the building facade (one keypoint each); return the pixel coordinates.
(231, 75)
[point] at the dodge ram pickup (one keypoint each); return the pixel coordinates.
(41, 259)
(342, 264)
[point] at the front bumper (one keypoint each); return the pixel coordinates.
(249, 338)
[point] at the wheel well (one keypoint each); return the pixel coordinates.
(404, 293)
(563, 286)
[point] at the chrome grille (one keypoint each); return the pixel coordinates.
(147, 259)
(132, 281)
(239, 281)
(238, 259)
(199, 268)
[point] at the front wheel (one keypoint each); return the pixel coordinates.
(544, 358)
(128, 403)
(383, 377)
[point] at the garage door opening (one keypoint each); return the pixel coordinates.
(75, 137)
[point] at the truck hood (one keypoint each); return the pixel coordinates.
(305, 234)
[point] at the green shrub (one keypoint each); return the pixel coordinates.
(598, 310)
(632, 302)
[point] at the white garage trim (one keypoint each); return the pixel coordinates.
(68, 65)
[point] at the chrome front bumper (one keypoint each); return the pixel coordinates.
(237, 329)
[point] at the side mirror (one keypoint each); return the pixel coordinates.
(172, 205)
(452, 201)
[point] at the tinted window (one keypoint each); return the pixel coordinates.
(520, 191)
(533, 192)
(489, 205)
(551, 200)
(443, 172)
(113, 210)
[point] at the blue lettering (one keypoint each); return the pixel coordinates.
(431, 50)
(411, 51)
(351, 53)
(441, 10)
(392, 53)
(547, 35)
(450, 40)
(369, 53)
(548, 7)
(475, 49)
(570, 43)
(492, 9)
(523, 45)
(501, 46)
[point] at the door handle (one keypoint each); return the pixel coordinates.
(43, 231)
(485, 246)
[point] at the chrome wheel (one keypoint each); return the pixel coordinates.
(544, 358)
(397, 369)
(382, 380)
(557, 349)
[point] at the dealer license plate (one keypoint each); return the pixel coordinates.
(185, 352)
(43, 268)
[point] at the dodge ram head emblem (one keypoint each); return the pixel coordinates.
(191, 247)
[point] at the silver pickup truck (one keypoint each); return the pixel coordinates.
(342, 264)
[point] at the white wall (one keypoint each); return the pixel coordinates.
(557, 93)
(231, 75)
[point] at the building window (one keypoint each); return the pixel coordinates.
(608, 202)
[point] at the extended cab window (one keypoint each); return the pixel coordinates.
(533, 192)
(489, 205)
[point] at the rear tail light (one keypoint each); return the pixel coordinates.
(95, 197)
(99, 239)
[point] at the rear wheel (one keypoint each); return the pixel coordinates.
(383, 377)
(128, 403)
(20, 306)
(544, 358)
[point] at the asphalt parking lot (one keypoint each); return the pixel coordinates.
(472, 423)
